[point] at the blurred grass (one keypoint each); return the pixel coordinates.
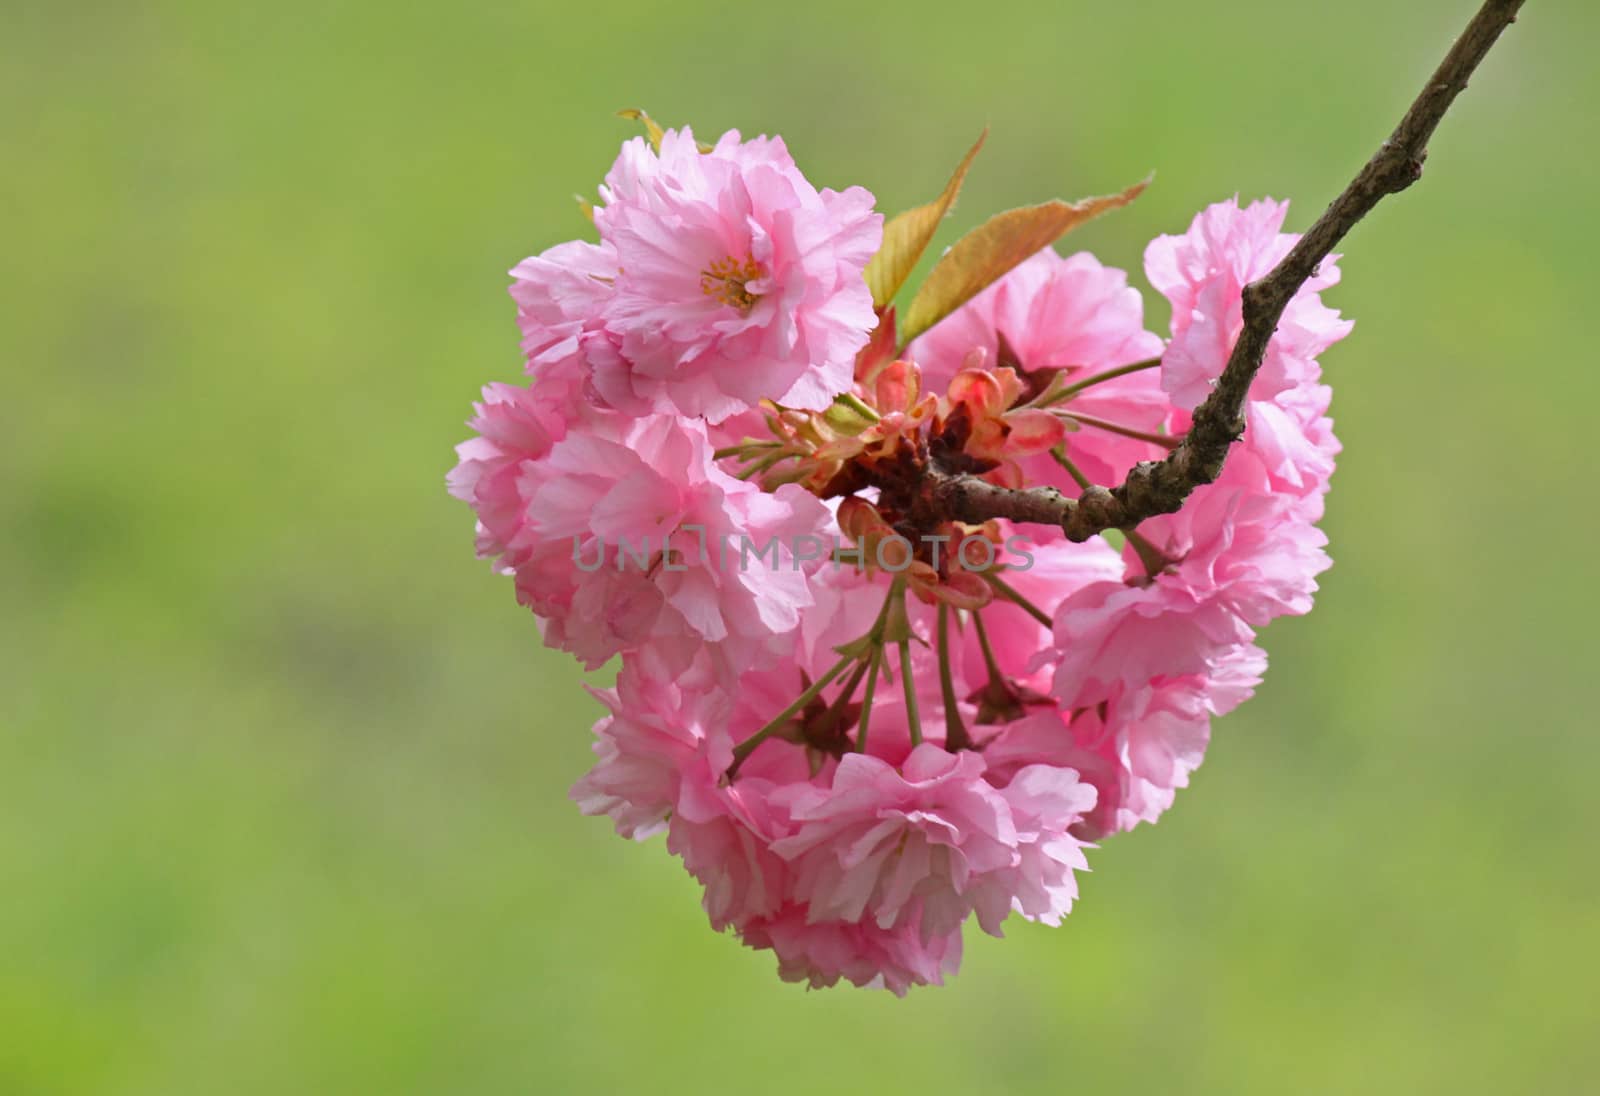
(283, 770)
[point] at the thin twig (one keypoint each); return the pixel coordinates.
(1160, 487)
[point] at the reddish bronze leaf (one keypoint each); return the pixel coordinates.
(989, 251)
(906, 235)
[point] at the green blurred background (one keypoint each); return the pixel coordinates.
(283, 769)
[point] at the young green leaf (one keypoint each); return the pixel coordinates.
(989, 251)
(906, 235)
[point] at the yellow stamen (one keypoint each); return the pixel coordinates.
(725, 279)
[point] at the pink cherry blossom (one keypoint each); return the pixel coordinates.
(1053, 312)
(515, 426)
(626, 530)
(933, 831)
(739, 280)
(1046, 802)
(1240, 557)
(637, 524)
(724, 832)
(1137, 747)
(1070, 314)
(657, 724)
(820, 953)
(1204, 272)
(1114, 636)
(560, 296)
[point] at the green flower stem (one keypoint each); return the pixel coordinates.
(849, 690)
(995, 677)
(866, 698)
(913, 719)
(744, 749)
(1099, 378)
(743, 448)
(1012, 595)
(1062, 459)
(1152, 558)
(1166, 441)
(955, 732)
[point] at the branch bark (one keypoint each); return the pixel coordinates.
(1160, 487)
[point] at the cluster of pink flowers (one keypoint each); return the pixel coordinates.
(852, 758)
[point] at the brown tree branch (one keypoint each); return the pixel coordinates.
(1160, 487)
